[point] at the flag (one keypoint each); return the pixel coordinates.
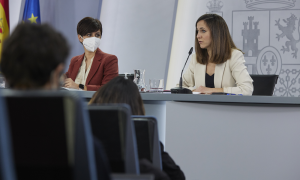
(32, 12)
(4, 22)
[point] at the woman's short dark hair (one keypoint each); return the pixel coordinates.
(88, 25)
(30, 55)
(120, 90)
(221, 44)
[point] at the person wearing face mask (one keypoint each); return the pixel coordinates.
(94, 68)
(33, 57)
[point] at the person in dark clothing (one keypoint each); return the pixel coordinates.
(147, 168)
(38, 65)
(169, 165)
(122, 90)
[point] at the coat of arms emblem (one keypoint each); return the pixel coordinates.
(269, 35)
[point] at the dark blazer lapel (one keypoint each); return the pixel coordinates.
(219, 71)
(76, 67)
(95, 65)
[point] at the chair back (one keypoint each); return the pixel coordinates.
(51, 136)
(113, 126)
(147, 139)
(264, 84)
(6, 161)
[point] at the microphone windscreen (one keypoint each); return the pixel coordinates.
(191, 50)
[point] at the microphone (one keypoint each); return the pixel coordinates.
(180, 90)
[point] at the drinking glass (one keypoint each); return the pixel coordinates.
(139, 79)
(2, 82)
(156, 85)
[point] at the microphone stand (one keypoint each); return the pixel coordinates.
(180, 89)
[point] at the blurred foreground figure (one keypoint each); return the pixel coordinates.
(33, 57)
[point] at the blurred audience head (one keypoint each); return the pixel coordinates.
(120, 90)
(33, 57)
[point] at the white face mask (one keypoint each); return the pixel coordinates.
(91, 44)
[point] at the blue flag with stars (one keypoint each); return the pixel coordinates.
(32, 12)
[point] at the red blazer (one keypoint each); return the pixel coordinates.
(103, 69)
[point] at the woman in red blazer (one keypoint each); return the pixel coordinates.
(94, 68)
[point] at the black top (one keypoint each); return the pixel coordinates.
(169, 166)
(209, 81)
(170, 170)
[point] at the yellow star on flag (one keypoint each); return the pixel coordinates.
(32, 19)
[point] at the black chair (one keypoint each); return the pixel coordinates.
(6, 161)
(147, 139)
(264, 84)
(113, 126)
(51, 136)
(129, 76)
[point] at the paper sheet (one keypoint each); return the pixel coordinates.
(71, 89)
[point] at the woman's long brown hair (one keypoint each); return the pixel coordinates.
(221, 44)
(120, 90)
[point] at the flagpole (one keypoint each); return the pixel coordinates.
(22, 10)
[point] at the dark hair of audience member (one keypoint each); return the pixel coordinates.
(120, 90)
(88, 25)
(221, 44)
(31, 54)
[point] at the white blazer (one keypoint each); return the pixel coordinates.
(231, 75)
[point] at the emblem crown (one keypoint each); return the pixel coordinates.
(214, 5)
(269, 4)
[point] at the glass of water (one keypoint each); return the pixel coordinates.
(2, 82)
(156, 85)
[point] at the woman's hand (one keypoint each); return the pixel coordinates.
(63, 77)
(69, 83)
(206, 90)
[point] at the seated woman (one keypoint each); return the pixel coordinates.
(218, 65)
(121, 90)
(94, 68)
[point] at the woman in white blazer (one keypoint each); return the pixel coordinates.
(217, 66)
